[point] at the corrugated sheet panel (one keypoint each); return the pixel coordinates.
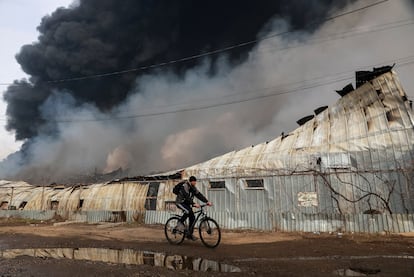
(37, 215)
(266, 221)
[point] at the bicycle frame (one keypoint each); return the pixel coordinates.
(200, 213)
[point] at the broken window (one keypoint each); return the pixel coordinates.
(4, 205)
(151, 201)
(54, 205)
(255, 183)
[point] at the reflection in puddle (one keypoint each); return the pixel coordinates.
(123, 256)
(335, 257)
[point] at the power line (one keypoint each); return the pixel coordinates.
(217, 51)
(303, 85)
(225, 103)
(346, 34)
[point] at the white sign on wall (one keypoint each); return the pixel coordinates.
(307, 199)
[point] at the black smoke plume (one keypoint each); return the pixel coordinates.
(99, 36)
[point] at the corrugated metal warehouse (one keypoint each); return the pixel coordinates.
(348, 167)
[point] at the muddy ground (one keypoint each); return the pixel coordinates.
(45, 249)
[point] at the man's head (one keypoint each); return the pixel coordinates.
(193, 180)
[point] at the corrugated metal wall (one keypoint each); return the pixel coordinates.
(342, 192)
(254, 220)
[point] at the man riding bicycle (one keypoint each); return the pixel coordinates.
(184, 201)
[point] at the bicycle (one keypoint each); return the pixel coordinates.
(208, 229)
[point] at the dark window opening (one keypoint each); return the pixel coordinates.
(217, 184)
(256, 183)
(372, 211)
(118, 216)
(80, 204)
(4, 205)
(389, 116)
(54, 205)
(369, 125)
(22, 205)
(151, 201)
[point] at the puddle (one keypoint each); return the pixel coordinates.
(335, 257)
(123, 256)
(356, 272)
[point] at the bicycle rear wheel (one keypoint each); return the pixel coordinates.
(210, 233)
(173, 232)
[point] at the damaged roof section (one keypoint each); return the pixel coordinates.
(361, 77)
(375, 117)
(163, 177)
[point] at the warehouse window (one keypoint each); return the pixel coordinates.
(54, 205)
(338, 161)
(255, 183)
(217, 184)
(170, 206)
(151, 200)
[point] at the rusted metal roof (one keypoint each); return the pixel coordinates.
(376, 116)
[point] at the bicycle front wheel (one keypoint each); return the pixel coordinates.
(173, 232)
(210, 233)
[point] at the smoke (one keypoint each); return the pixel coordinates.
(77, 127)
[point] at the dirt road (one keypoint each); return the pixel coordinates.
(137, 250)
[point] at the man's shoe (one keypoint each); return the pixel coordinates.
(191, 237)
